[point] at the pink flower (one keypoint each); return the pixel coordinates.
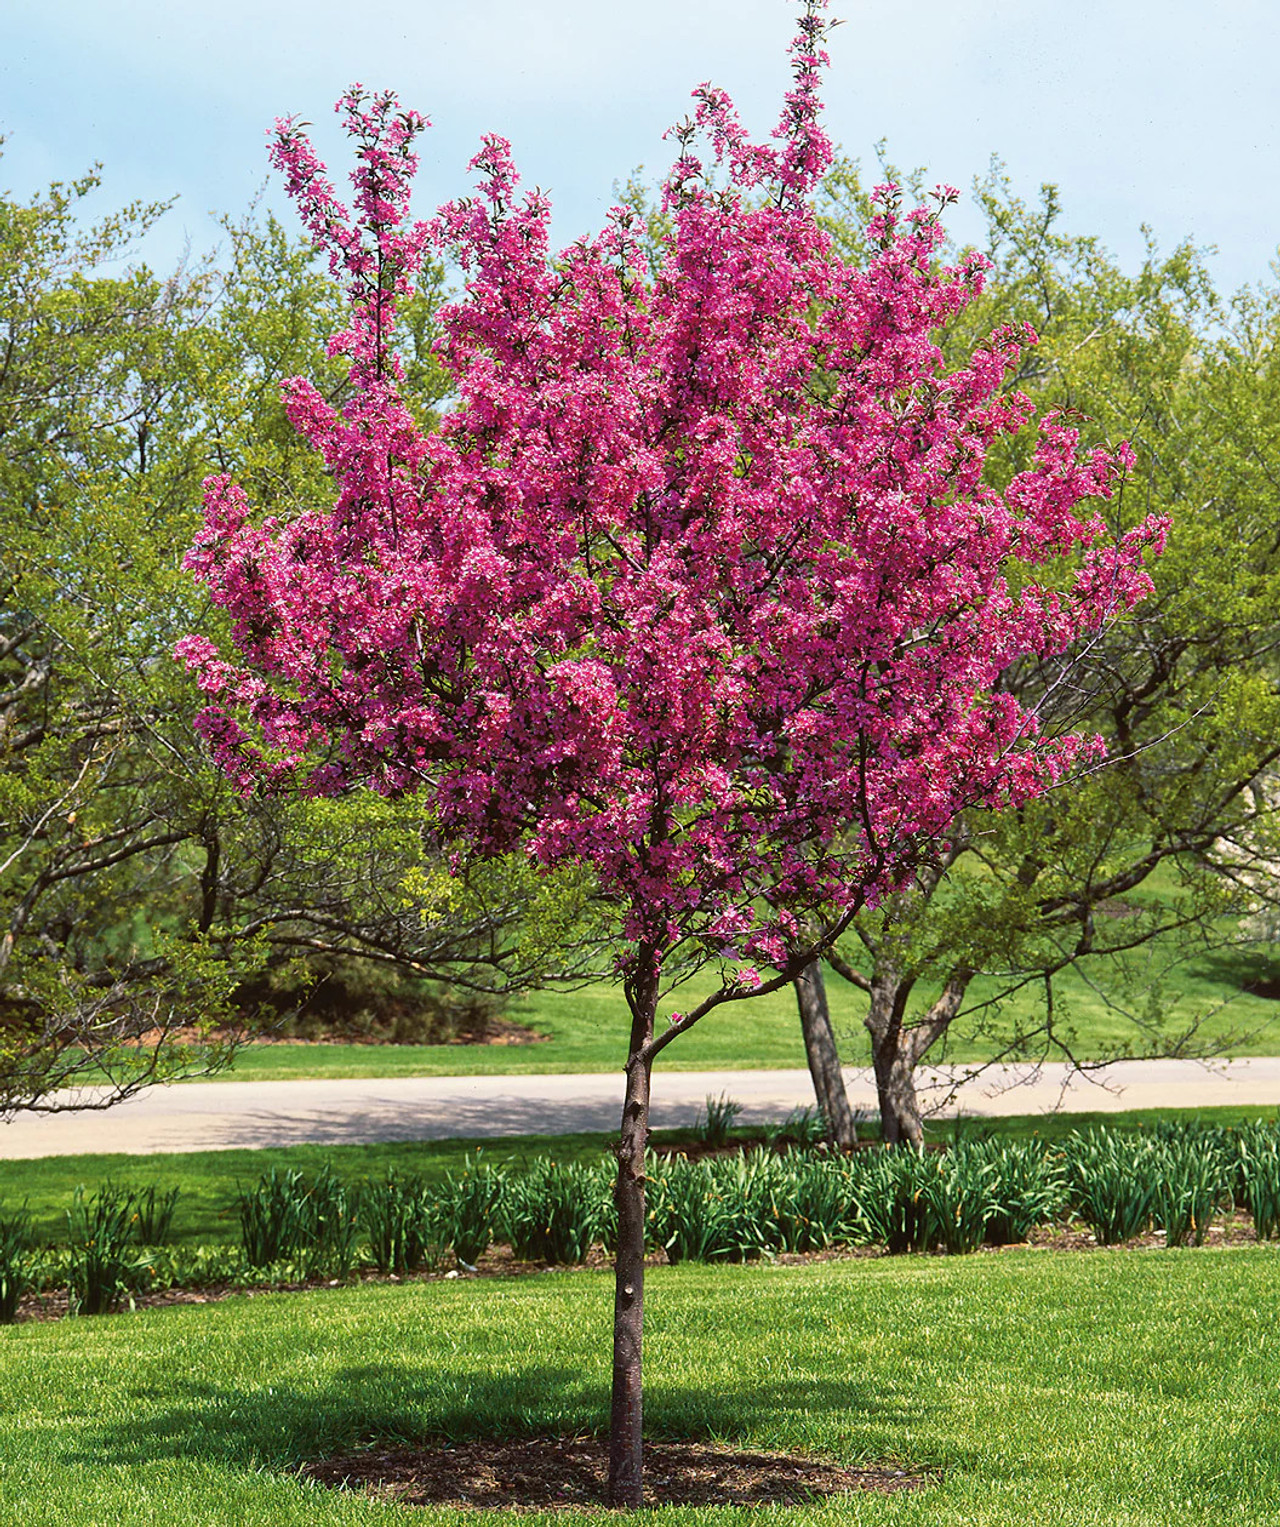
(700, 584)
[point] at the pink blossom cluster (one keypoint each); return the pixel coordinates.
(700, 582)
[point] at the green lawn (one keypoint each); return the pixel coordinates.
(210, 1180)
(588, 1033)
(1127, 1388)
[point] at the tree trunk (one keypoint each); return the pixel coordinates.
(898, 1047)
(900, 1121)
(824, 1060)
(626, 1421)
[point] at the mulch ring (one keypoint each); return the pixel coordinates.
(570, 1473)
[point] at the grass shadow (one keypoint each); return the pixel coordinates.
(278, 1424)
(1253, 971)
(392, 1404)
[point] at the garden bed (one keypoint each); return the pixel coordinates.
(500, 1262)
(305, 1230)
(568, 1473)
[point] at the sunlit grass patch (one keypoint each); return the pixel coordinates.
(1112, 1387)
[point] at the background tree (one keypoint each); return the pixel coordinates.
(91, 363)
(697, 587)
(138, 891)
(1133, 870)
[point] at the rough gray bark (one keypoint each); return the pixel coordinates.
(824, 1059)
(898, 1047)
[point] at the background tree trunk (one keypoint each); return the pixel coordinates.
(900, 1121)
(897, 1047)
(824, 1059)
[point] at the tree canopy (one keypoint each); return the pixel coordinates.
(698, 585)
(1183, 691)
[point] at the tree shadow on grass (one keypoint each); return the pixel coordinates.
(278, 1424)
(1253, 971)
(398, 1404)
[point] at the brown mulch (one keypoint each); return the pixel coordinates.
(500, 1031)
(485, 1029)
(699, 1150)
(695, 1149)
(570, 1473)
(1232, 1229)
(497, 1262)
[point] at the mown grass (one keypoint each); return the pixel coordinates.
(588, 1031)
(1126, 1388)
(210, 1181)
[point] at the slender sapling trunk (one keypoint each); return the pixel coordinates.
(626, 1420)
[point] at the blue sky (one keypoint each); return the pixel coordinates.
(1163, 113)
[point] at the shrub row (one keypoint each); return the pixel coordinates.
(108, 1237)
(299, 1228)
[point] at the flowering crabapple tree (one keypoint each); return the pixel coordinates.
(698, 584)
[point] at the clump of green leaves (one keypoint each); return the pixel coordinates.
(1258, 1155)
(556, 1211)
(1193, 1173)
(803, 1127)
(705, 1211)
(312, 1220)
(153, 1214)
(1027, 1187)
(402, 1217)
(716, 1120)
(470, 1206)
(105, 1266)
(17, 1273)
(1113, 1183)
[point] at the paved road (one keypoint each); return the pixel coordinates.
(224, 1115)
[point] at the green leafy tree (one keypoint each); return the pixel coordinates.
(137, 891)
(92, 363)
(1184, 693)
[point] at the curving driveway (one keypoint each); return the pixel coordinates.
(226, 1115)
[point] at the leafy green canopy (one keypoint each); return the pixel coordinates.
(135, 887)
